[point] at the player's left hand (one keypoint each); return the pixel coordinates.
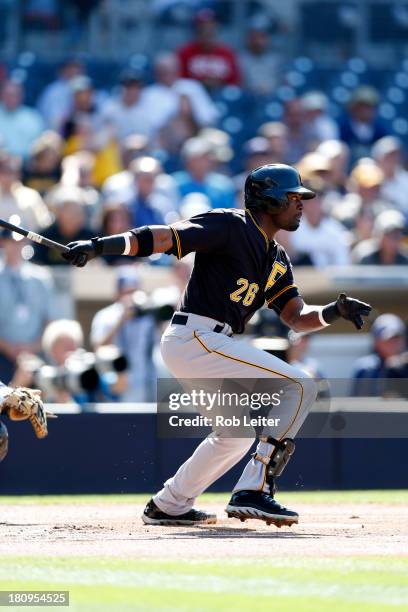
(26, 404)
(352, 310)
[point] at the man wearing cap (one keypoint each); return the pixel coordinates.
(389, 340)
(261, 67)
(386, 247)
(199, 177)
(321, 126)
(207, 60)
(149, 205)
(360, 125)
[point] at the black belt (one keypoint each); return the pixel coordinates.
(181, 319)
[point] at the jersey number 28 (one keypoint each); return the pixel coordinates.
(250, 291)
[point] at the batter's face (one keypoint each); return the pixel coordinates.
(289, 219)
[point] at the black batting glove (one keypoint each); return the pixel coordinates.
(81, 251)
(347, 308)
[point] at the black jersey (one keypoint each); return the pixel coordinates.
(236, 267)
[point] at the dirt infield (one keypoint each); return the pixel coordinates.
(109, 529)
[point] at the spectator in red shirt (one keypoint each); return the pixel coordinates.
(205, 59)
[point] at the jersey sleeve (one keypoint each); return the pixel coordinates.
(202, 233)
(281, 286)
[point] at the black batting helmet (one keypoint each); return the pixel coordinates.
(267, 187)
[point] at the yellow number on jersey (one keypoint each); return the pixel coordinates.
(236, 296)
(244, 286)
(277, 271)
(250, 295)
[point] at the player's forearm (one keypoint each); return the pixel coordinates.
(162, 239)
(309, 319)
(138, 242)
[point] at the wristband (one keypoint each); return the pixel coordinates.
(330, 313)
(112, 245)
(323, 323)
(98, 245)
(144, 237)
(128, 246)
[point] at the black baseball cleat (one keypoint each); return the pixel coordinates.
(153, 516)
(259, 505)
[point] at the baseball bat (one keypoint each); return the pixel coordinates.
(51, 244)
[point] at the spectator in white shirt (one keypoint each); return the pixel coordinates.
(322, 238)
(321, 126)
(387, 153)
(126, 113)
(19, 124)
(162, 98)
(123, 187)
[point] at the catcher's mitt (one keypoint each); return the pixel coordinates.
(23, 404)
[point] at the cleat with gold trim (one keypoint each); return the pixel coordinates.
(262, 506)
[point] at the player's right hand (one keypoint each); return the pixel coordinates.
(80, 252)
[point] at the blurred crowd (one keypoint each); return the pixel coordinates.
(85, 162)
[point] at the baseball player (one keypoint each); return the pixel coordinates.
(238, 267)
(21, 404)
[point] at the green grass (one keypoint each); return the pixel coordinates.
(302, 585)
(250, 584)
(307, 497)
